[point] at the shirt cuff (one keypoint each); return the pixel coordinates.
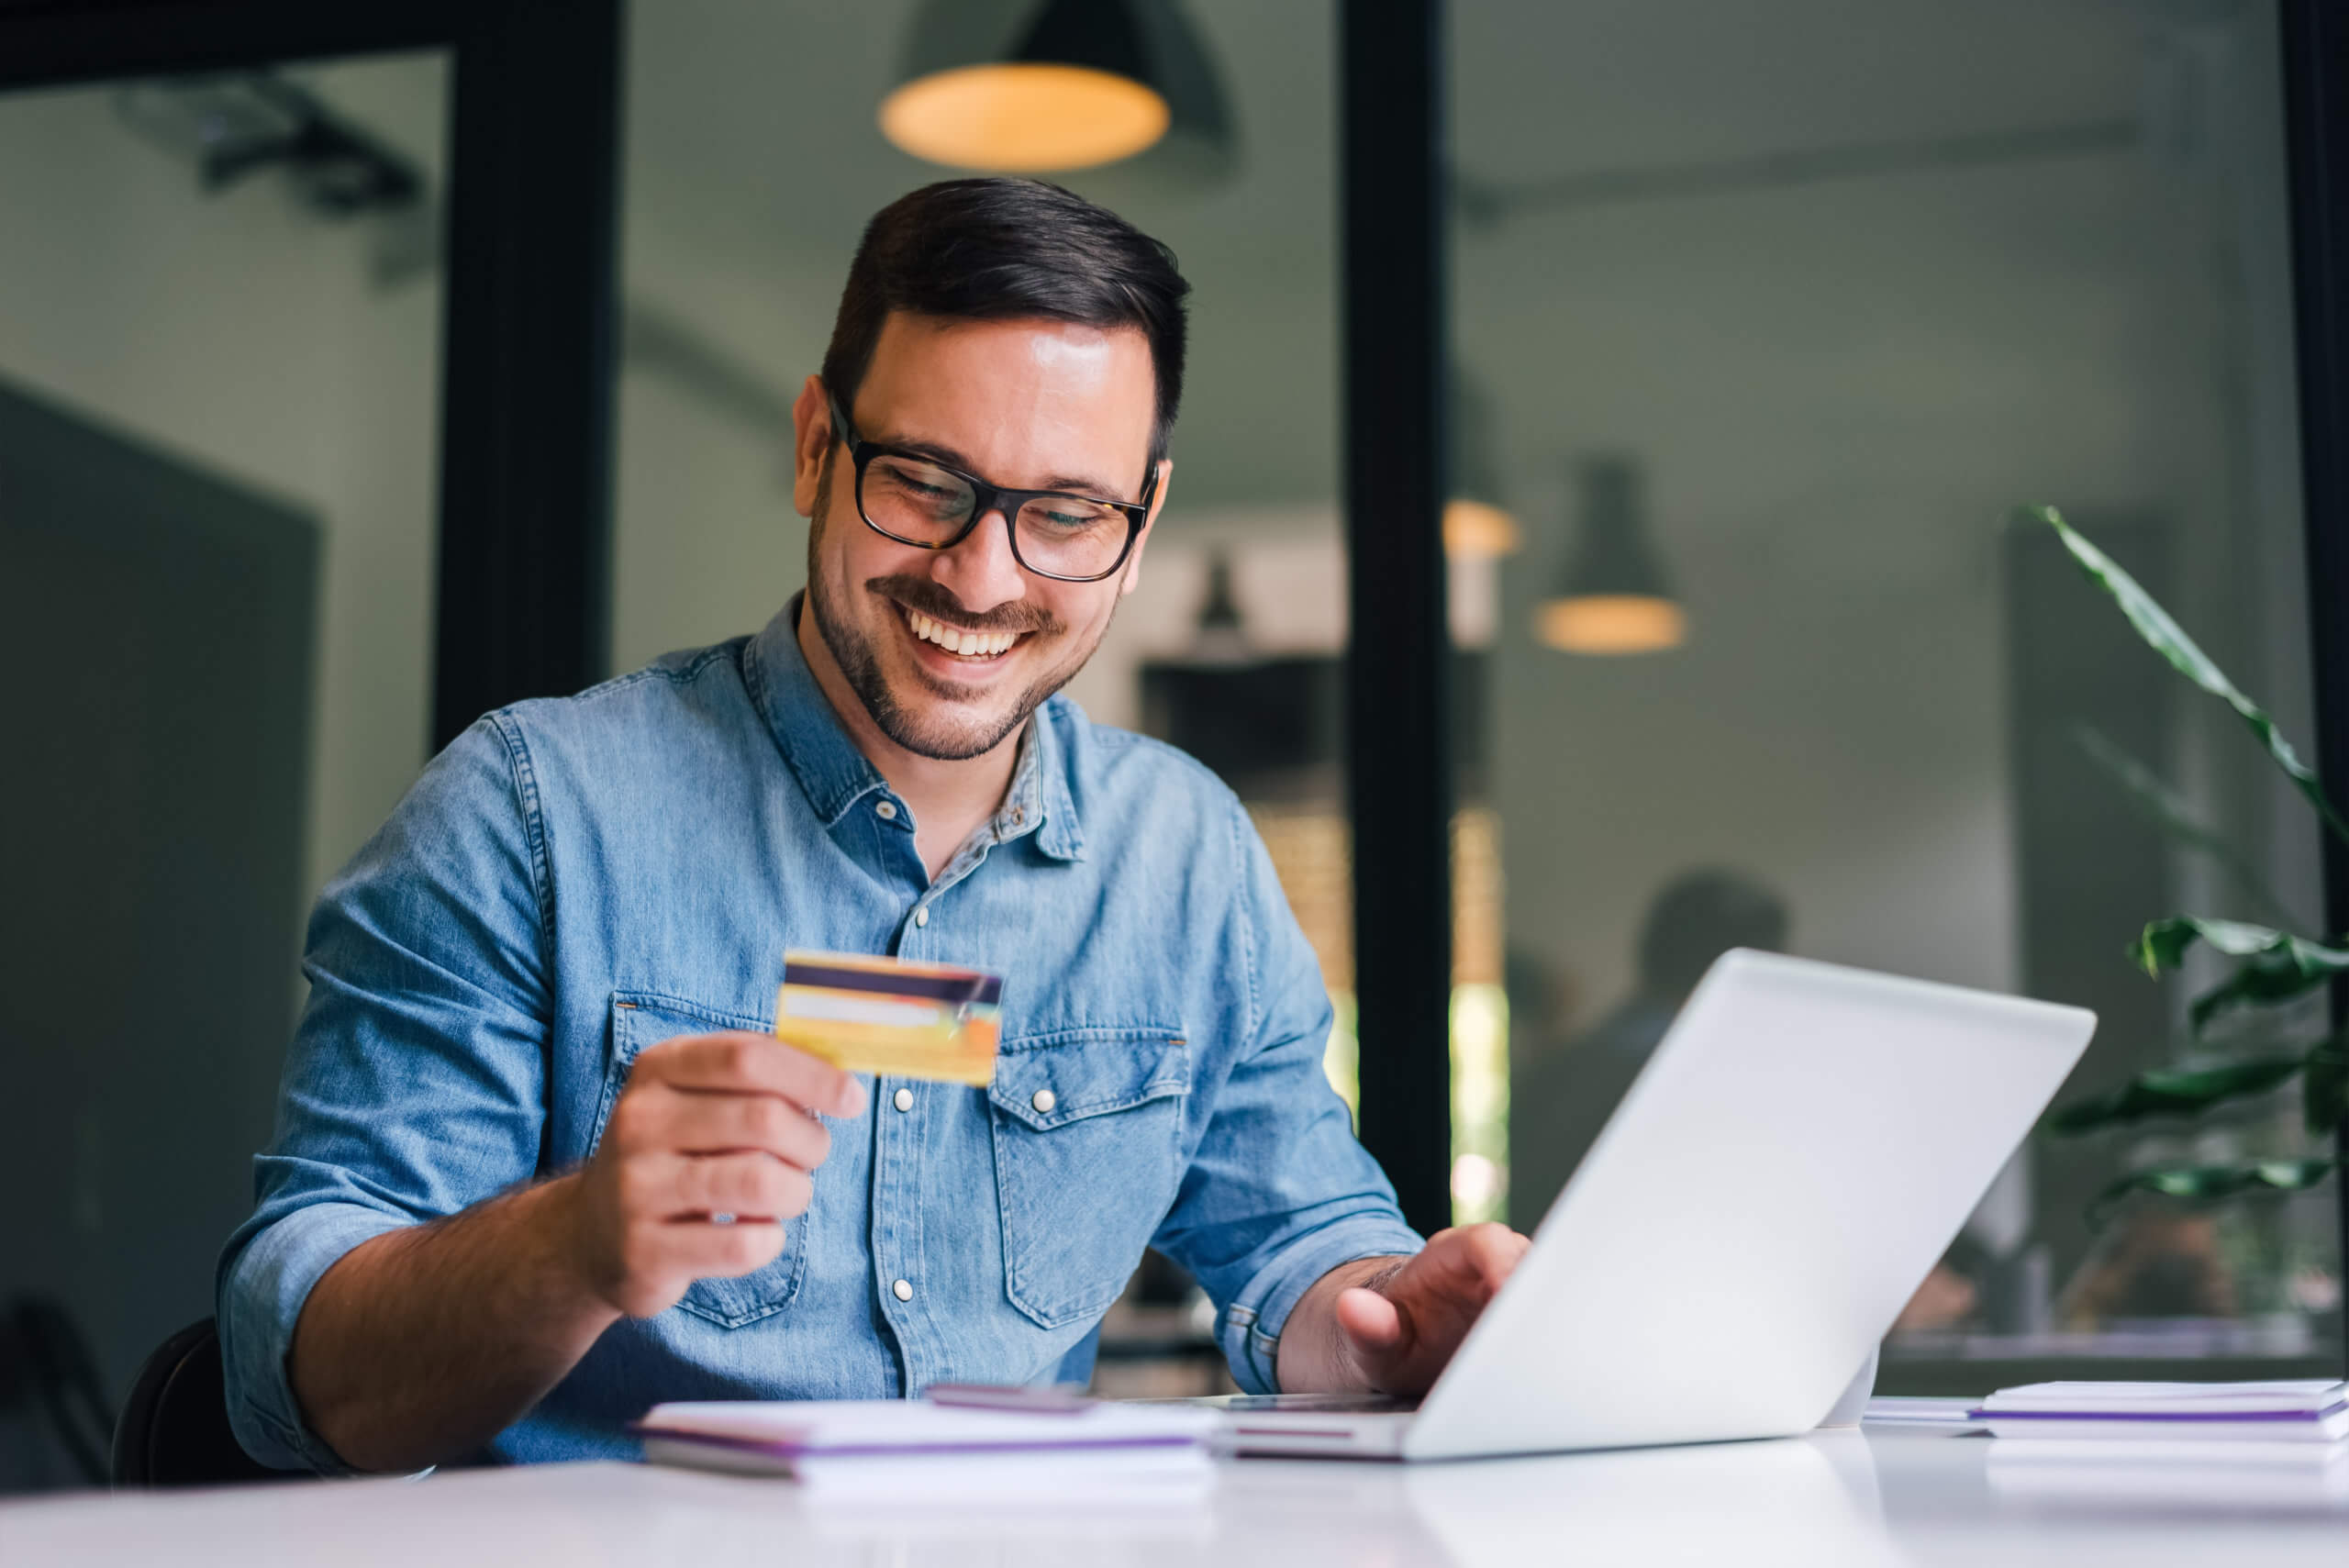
(262, 1294)
(1249, 1329)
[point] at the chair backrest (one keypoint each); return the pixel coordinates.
(174, 1430)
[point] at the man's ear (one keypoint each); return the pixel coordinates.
(811, 444)
(1132, 574)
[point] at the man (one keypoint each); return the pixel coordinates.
(538, 1165)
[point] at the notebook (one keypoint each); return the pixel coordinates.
(2293, 1410)
(859, 1443)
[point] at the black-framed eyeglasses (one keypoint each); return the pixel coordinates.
(924, 503)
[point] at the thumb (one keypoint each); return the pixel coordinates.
(1371, 1325)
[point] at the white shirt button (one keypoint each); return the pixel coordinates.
(902, 1291)
(903, 1099)
(887, 811)
(1043, 1100)
(921, 916)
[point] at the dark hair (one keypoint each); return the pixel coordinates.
(999, 249)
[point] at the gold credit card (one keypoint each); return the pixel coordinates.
(891, 1019)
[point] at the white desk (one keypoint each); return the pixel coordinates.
(1891, 1497)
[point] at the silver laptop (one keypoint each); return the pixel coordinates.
(1800, 1148)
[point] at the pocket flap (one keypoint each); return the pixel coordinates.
(1047, 1081)
(644, 1017)
(641, 1018)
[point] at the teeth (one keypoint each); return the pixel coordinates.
(969, 644)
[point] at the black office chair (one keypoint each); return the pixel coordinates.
(174, 1430)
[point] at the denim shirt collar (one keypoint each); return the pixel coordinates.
(835, 776)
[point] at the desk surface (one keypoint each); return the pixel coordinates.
(1890, 1497)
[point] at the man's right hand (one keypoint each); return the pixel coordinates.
(708, 1125)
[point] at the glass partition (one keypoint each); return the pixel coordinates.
(219, 397)
(1767, 322)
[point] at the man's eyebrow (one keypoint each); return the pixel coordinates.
(936, 451)
(1099, 489)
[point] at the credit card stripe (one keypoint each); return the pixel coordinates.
(894, 983)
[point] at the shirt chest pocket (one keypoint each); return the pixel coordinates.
(1088, 1127)
(639, 1021)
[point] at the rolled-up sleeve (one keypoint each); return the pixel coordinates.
(1279, 1191)
(415, 1084)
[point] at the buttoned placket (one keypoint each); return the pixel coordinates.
(901, 1133)
(899, 1117)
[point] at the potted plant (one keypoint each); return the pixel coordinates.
(2269, 967)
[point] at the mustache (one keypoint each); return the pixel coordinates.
(921, 594)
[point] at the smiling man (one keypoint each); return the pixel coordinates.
(538, 1165)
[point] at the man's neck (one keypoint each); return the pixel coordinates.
(948, 799)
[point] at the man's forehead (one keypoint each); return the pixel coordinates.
(997, 391)
(1066, 354)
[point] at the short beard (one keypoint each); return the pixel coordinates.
(860, 661)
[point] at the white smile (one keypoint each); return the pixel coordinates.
(965, 644)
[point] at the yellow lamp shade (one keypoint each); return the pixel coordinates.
(1478, 531)
(1022, 118)
(1612, 624)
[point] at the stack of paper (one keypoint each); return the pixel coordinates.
(936, 1451)
(2304, 1410)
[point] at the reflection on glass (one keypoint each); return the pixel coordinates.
(1567, 1088)
(219, 377)
(1839, 337)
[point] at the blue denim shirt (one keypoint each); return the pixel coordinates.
(573, 880)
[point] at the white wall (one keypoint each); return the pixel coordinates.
(705, 542)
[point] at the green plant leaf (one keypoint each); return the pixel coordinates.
(2173, 1091)
(2163, 943)
(2210, 1183)
(2273, 965)
(2324, 1092)
(2168, 811)
(2167, 638)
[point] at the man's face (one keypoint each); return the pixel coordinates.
(1028, 405)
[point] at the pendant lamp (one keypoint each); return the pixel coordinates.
(1221, 636)
(1477, 524)
(1046, 86)
(1613, 597)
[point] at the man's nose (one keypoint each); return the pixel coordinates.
(981, 572)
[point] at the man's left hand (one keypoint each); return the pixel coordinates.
(1389, 1325)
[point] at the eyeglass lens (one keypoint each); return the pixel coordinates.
(923, 503)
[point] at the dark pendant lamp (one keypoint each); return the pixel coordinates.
(1477, 524)
(1024, 87)
(1613, 599)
